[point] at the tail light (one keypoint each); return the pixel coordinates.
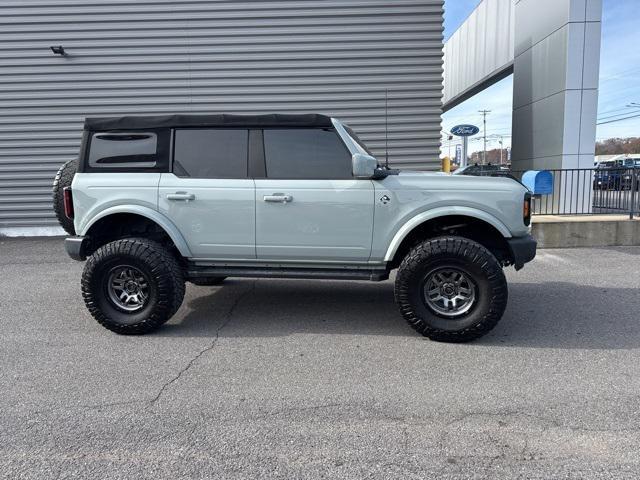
(68, 202)
(526, 209)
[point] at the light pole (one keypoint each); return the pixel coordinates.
(484, 127)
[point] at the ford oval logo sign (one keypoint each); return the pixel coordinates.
(464, 130)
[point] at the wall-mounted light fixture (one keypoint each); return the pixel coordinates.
(59, 50)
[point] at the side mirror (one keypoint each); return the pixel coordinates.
(364, 166)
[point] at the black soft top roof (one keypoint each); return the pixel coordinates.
(309, 120)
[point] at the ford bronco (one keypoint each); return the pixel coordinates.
(153, 202)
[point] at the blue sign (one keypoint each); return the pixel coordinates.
(464, 130)
(458, 153)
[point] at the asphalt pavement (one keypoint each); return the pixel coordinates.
(321, 379)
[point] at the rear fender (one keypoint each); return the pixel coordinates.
(158, 218)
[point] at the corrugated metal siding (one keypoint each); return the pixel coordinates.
(164, 56)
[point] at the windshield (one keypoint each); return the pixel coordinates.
(356, 139)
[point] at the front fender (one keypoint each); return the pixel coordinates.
(420, 218)
(149, 213)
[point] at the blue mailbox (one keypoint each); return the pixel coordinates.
(540, 182)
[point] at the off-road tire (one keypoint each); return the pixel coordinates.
(460, 253)
(207, 281)
(165, 280)
(63, 179)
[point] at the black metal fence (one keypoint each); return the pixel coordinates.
(590, 191)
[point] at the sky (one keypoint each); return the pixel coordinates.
(619, 79)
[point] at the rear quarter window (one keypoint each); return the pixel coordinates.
(127, 151)
(130, 149)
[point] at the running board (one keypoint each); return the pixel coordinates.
(301, 273)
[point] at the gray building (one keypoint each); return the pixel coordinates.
(552, 47)
(161, 56)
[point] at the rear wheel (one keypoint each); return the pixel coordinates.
(451, 289)
(63, 179)
(132, 286)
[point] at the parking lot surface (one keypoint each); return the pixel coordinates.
(321, 379)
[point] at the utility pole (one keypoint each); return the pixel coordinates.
(484, 123)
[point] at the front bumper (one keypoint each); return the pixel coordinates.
(76, 247)
(523, 250)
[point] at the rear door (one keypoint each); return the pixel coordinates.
(209, 195)
(309, 208)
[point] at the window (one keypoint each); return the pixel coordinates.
(117, 150)
(306, 153)
(211, 153)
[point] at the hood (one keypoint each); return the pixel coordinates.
(419, 173)
(441, 180)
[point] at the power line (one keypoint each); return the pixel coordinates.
(619, 75)
(622, 113)
(619, 109)
(618, 119)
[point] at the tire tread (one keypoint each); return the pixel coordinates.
(163, 266)
(63, 179)
(473, 252)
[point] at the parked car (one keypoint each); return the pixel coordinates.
(157, 201)
(631, 176)
(608, 175)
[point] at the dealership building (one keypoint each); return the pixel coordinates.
(375, 64)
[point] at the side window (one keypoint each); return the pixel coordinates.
(306, 153)
(118, 150)
(211, 153)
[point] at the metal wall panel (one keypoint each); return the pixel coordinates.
(479, 51)
(164, 56)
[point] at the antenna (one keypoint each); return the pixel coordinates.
(386, 128)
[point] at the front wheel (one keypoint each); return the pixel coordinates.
(132, 286)
(451, 289)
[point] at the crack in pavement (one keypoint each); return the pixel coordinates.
(52, 262)
(94, 406)
(550, 423)
(185, 369)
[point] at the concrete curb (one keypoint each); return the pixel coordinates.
(601, 231)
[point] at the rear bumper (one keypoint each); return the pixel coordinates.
(76, 247)
(523, 250)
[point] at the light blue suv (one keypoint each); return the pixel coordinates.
(157, 201)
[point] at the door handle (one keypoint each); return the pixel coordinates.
(278, 198)
(184, 196)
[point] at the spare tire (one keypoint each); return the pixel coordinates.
(64, 177)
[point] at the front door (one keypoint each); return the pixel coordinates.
(208, 195)
(310, 208)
